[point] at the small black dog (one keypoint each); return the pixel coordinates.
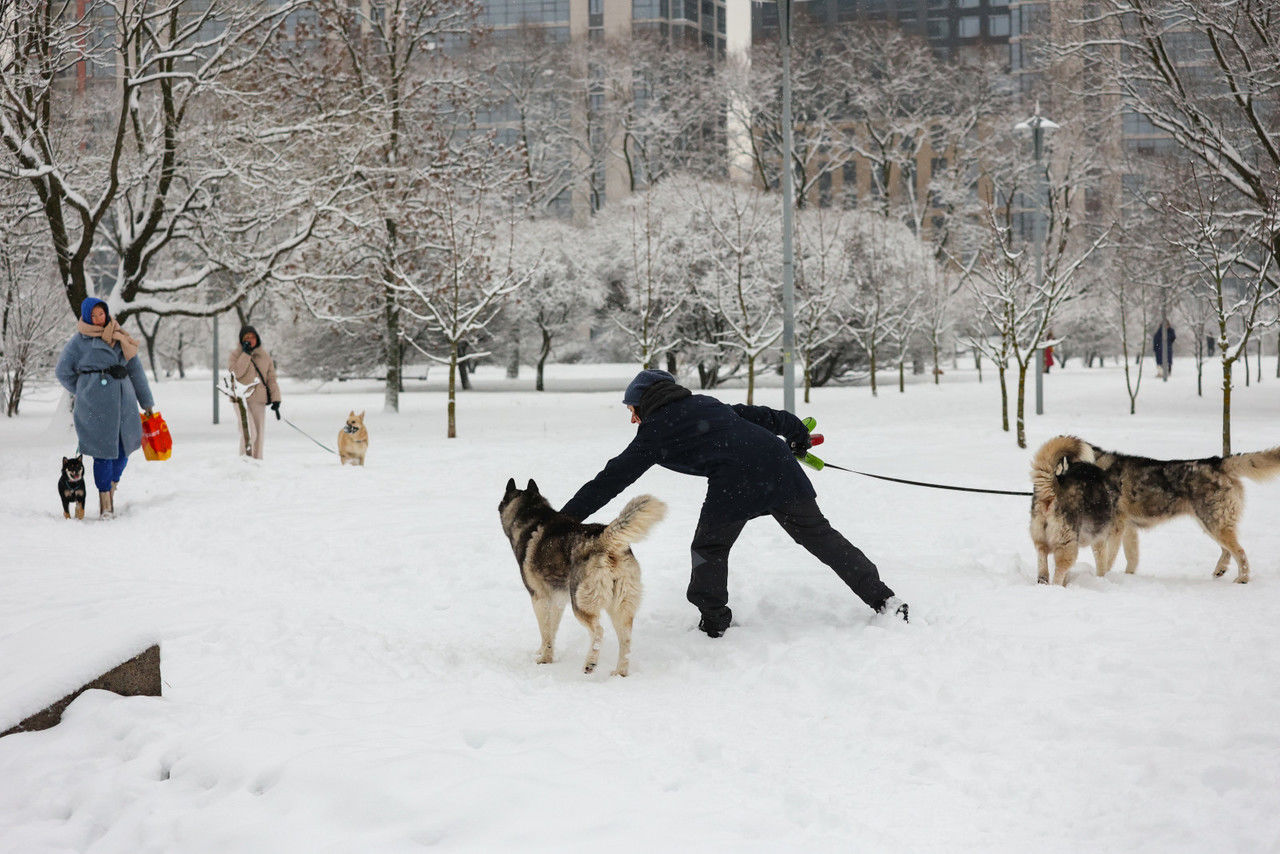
(71, 486)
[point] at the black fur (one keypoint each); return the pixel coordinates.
(71, 486)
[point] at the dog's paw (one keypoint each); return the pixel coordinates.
(590, 668)
(619, 672)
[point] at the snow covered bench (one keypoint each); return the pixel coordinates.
(43, 668)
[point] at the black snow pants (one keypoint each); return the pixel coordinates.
(715, 536)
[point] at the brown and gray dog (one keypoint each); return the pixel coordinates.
(591, 567)
(1086, 496)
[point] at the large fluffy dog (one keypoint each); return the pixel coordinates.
(1075, 482)
(589, 566)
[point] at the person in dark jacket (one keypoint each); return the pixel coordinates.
(1162, 346)
(749, 473)
(101, 370)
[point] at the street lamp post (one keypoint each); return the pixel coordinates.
(788, 221)
(1038, 125)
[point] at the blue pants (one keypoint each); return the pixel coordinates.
(107, 472)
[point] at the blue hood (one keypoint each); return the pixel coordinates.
(86, 308)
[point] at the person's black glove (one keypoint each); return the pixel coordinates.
(246, 345)
(800, 445)
(118, 371)
(275, 407)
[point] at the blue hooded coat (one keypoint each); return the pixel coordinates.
(105, 408)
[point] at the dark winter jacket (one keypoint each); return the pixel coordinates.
(106, 406)
(1157, 344)
(749, 470)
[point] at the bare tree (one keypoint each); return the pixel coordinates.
(393, 97)
(1019, 286)
(651, 233)
(822, 277)
(32, 312)
(185, 140)
(740, 284)
(1231, 267)
(1206, 74)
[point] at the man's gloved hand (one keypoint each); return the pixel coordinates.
(246, 345)
(275, 407)
(801, 445)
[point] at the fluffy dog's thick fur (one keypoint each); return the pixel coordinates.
(353, 441)
(589, 566)
(1070, 504)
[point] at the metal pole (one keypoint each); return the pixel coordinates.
(1037, 142)
(788, 225)
(214, 371)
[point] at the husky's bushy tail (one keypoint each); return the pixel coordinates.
(1053, 457)
(1259, 465)
(634, 522)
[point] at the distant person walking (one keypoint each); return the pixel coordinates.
(249, 363)
(1162, 346)
(94, 367)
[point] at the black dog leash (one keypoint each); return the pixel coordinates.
(930, 485)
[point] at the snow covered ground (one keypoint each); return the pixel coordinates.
(348, 653)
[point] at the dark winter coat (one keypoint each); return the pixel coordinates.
(749, 470)
(1157, 344)
(105, 408)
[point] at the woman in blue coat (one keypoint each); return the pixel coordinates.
(100, 368)
(749, 472)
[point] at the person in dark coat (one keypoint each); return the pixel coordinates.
(1163, 354)
(749, 473)
(100, 367)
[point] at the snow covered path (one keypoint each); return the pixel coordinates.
(348, 653)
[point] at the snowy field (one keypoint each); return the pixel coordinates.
(348, 653)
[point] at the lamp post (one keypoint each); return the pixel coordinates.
(788, 219)
(1038, 125)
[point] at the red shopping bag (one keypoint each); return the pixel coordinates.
(157, 444)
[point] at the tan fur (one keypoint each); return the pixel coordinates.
(353, 441)
(1054, 528)
(590, 567)
(1150, 491)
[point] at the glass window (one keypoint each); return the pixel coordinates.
(938, 28)
(968, 4)
(999, 25)
(969, 27)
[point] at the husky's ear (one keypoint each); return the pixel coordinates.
(511, 485)
(362, 415)
(532, 487)
(66, 460)
(80, 458)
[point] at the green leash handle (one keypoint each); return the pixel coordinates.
(809, 459)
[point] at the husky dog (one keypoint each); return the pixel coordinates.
(71, 486)
(589, 566)
(1150, 491)
(1073, 505)
(353, 441)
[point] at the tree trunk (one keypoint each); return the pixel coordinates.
(453, 376)
(391, 346)
(977, 363)
(872, 355)
(808, 377)
(1022, 405)
(15, 392)
(1226, 406)
(671, 363)
(902, 376)
(751, 380)
(513, 362)
(542, 359)
(1004, 398)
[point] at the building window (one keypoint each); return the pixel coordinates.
(969, 26)
(999, 25)
(937, 28)
(968, 4)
